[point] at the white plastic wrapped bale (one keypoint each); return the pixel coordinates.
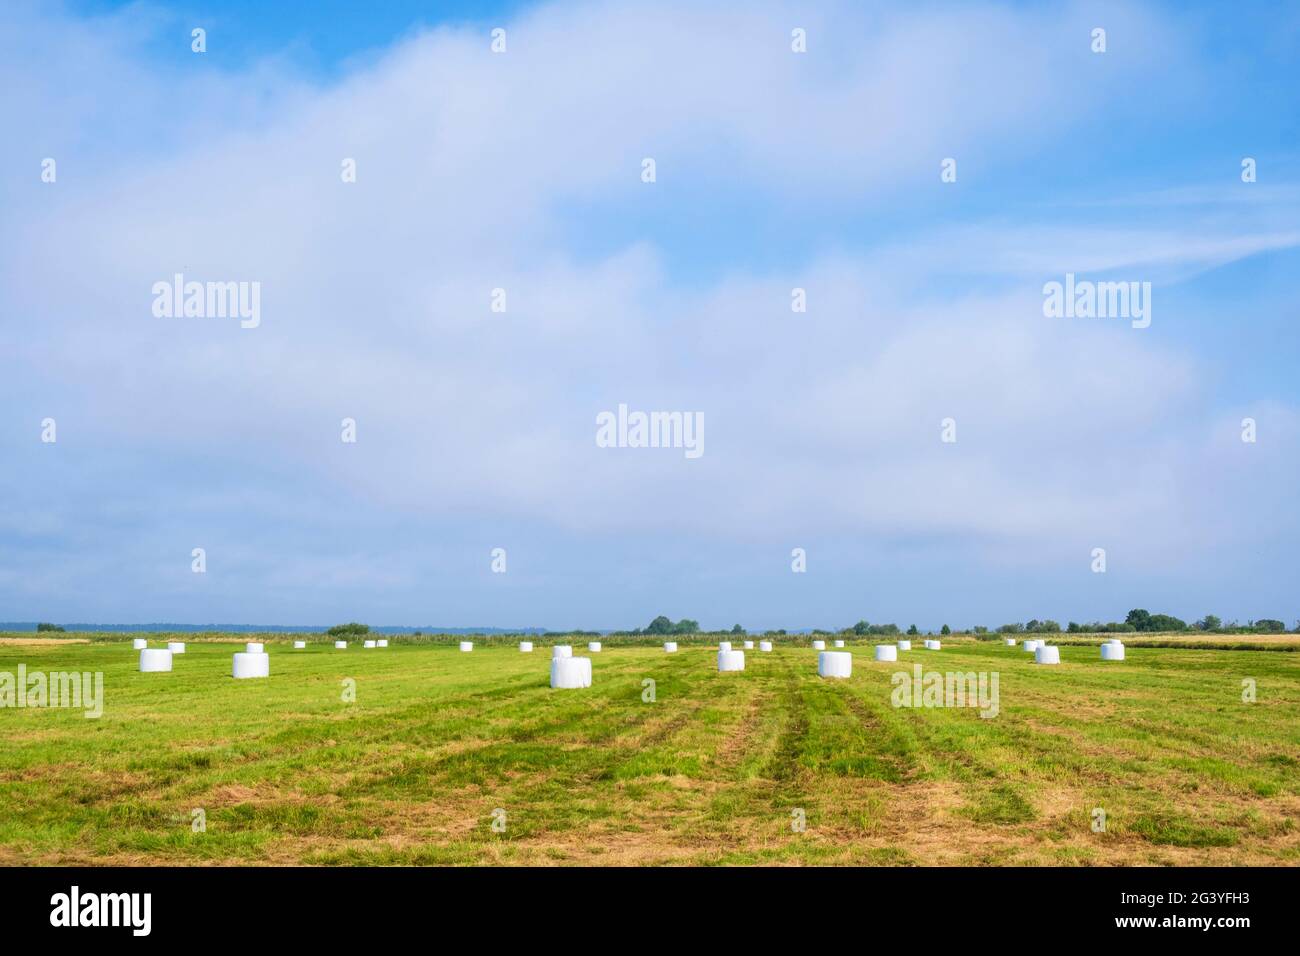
(1112, 651)
(749, 645)
(1043, 654)
(1031, 646)
(593, 646)
(251, 665)
(252, 647)
(562, 650)
(839, 643)
(299, 645)
(382, 642)
(765, 646)
(819, 645)
(670, 647)
(886, 652)
(731, 660)
(467, 646)
(367, 643)
(932, 645)
(724, 645)
(340, 645)
(904, 645)
(139, 644)
(525, 647)
(176, 647)
(835, 664)
(1011, 642)
(569, 673)
(155, 659)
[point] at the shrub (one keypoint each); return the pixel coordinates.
(351, 629)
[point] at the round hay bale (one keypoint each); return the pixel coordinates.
(154, 660)
(570, 673)
(731, 660)
(251, 665)
(835, 664)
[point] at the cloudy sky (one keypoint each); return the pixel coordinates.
(522, 171)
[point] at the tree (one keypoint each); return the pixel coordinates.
(862, 627)
(1164, 622)
(1268, 625)
(912, 630)
(660, 625)
(686, 626)
(1140, 618)
(945, 629)
(48, 627)
(737, 630)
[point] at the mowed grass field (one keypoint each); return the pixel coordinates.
(710, 772)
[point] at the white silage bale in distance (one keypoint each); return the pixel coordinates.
(139, 644)
(1112, 651)
(724, 645)
(251, 665)
(562, 650)
(467, 646)
(731, 660)
(749, 645)
(886, 652)
(819, 645)
(153, 660)
(1011, 642)
(835, 664)
(839, 643)
(765, 646)
(253, 647)
(1043, 654)
(570, 673)
(340, 645)
(670, 647)
(382, 642)
(904, 645)
(525, 647)
(299, 645)
(367, 643)
(593, 647)
(1031, 646)
(176, 647)
(931, 645)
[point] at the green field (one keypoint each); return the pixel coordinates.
(710, 772)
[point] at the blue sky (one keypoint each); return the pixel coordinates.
(521, 171)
